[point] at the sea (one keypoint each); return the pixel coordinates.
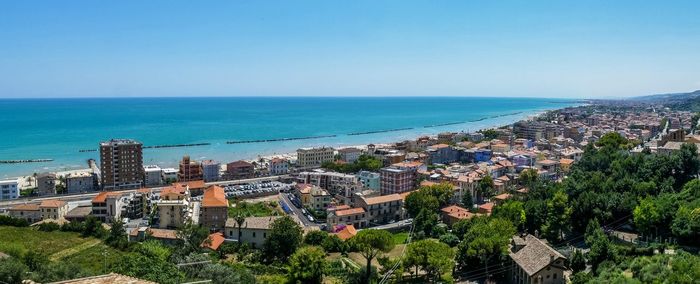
(69, 130)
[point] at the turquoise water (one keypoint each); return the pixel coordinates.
(58, 128)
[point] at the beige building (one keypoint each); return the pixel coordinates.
(53, 209)
(253, 231)
(214, 209)
(29, 212)
(46, 184)
(382, 209)
(312, 196)
(107, 206)
(174, 206)
(357, 217)
(314, 157)
(534, 261)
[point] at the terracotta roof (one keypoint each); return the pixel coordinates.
(383, 199)
(405, 194)
(440, 146)
(52, 203)
(238, 164)
(341, 207)
(350, 211)
(347, 232)
(535, 255)
(102, 196)
(486, 206)
(503, 196)
(194, 184)
(214, 241)
(547, 162)
(163, 233)
(427, 183)
(214, 196)
(24, 207)
(408, 164)
(457, 212)
(176, 188)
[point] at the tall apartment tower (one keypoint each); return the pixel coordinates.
(121, 164)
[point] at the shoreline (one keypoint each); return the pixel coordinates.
(288, 154)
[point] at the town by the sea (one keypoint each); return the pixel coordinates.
(67, 131)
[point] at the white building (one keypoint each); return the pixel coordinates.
(153, 175)
(253, 231)
(314, 157)
(278, 166)
(349, 155)
(211, 170)
(170, 175)
(80, 182)
(9, 189)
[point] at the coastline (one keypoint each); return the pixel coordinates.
(385, 138)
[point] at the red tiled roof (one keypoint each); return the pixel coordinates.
(214, 241)
(214, 196)
(52, 203)
(350, 211)
(347, 232)
(383, 199)
(24, 207)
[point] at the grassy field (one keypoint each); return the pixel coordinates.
(257, 209)
(400, 238)
(59, 246)
(20, 240)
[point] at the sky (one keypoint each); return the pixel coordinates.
(565, 49)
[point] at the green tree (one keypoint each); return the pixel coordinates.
(485, 187)
(420, 200)
(686, 223)
(192, 236)
(449, 239)
(315, 238)
(117, 236)
(578, 261)
(647, 216)
(284, 238)
(307, 265)
(370, 243)
(333, 243)
(512, 211)
(600, 246)
(558, 217)
(485, 242)
(426, 221)
(92, 227)
(467, 201)
(433, 257)
(12, 271)
(529, 177)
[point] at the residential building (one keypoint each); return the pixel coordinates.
(174, 206)
(442, 154)
(78, 214)
(453, 214)
(169, 175)
(138, 204)
(214, 209)
(352, 216)
(29, 212)
(534, 261)
(107, 206)
(341, 186)
(381, 209)
(9, 189)
(80, 182)
(349, 155)
(211, 170)
(400, 177)
(312, 196)
(278, 166)
(369, 180)
(189, 170)
(121, 164)
(140, 234)
(253, 230)
(46, 184)
(240, 170)
(153, 175)
(53, 209)
(314, 157)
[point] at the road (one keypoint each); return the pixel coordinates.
(87, 196)
(296, 211)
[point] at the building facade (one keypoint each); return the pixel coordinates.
(153, 175)
(278, 166)
(80, 182)
(174, 207)
(210, 170)
(53, 209)
(189, 170)
(240, 170)
(121, 164)
(369, 180)
(9, 189)
(253, 230)
(46, 184)
(314, 157)
(214, 209)
(400, 177)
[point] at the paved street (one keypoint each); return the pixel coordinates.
(296, 211)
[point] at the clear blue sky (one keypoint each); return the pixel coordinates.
(582, 49)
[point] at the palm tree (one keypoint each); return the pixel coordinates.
(240, 219)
